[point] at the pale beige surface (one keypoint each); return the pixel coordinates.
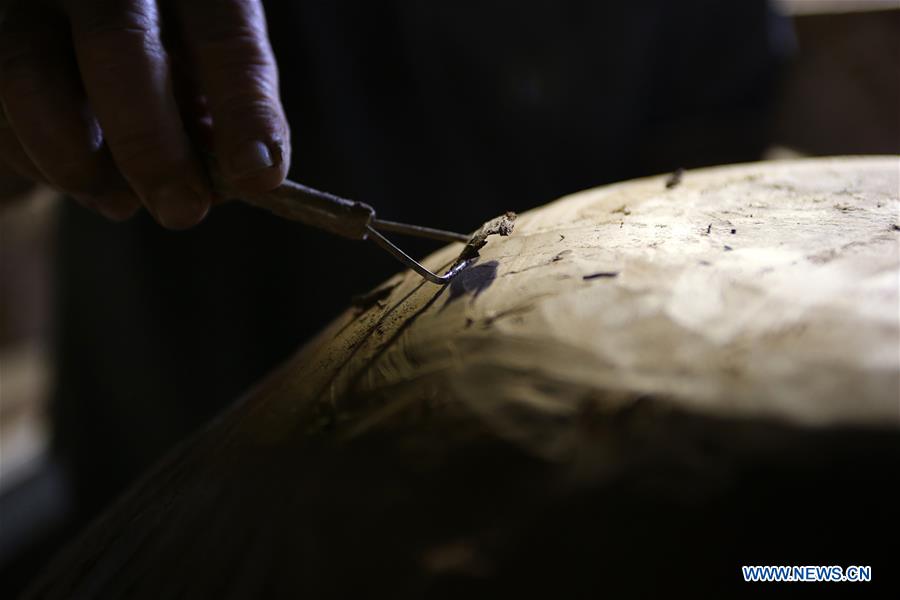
(795, 315)
(526, 427)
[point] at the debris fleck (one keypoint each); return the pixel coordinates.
(622, 209)
(895, 227)
(675, 178)
(600, 275)
(561, 237)
(728, 248)
(561, 255)
(708, 228)
(733, 231)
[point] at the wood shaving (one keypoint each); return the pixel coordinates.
(502, 225)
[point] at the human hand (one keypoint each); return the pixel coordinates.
(114, 102)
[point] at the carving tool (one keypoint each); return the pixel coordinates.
(356, 221)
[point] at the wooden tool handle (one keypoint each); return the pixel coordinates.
(291, 200)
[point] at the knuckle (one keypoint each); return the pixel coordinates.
(216, 21)
(249, 109)
(114, 36)
(223, 33)
(230, 70)
(252, 66)
(101, 18)
(234, 43)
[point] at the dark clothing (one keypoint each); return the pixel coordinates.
(443, 114)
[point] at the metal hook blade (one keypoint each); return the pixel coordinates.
(407, 260)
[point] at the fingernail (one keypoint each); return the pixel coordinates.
(249, 158)
(177, 206)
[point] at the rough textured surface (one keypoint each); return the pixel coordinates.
(760, 290)
(637, 383)
(502, 225)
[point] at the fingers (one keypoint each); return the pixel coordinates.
(12, 154)
(109, 123)
(127, 78)
(227, 45)
(12, 185)
(52, 135)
